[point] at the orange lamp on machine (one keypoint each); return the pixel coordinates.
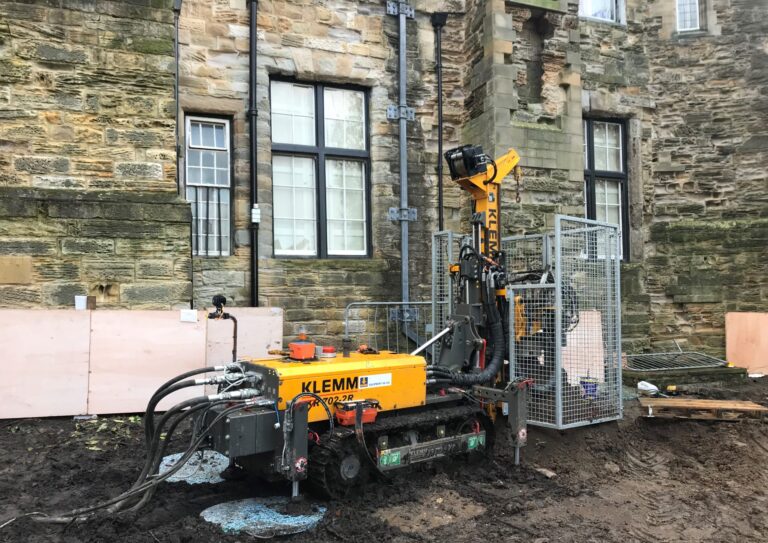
(302, 349)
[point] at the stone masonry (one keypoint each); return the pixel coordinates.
(337, 42)
(88, 201)
(694, 106)
(87, 111)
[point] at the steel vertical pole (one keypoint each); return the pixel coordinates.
(402, 77)
(438, 22)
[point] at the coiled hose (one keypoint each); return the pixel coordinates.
(496, 335)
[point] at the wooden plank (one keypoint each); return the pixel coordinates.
(746, 343)
(686, 403)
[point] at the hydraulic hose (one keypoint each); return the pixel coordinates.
(154, 448)
(173, 385)
(149, 415)
(160, 454)
(189, 374)
(494, 366)
(496, 332)
(83, 513)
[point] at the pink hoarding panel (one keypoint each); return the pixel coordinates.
(259, 330)
(746, 341)
(45, 362)
(134, 352)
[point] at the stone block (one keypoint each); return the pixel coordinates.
(86, 246)
(15, 270)
(27, 247)
(108, 269)
(155, 294)
(58, 182)
(40, 164)
(56, 269)
(12, 206)
(148, 170)
(19, 296)
(119, 229)
(156, 268)
(62, 294)
(50, 53)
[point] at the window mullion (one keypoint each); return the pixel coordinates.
(321, 226)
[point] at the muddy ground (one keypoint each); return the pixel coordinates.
(637, 480)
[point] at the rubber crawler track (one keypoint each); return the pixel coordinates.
(323, 461)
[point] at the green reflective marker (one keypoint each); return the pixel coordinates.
(395, 458)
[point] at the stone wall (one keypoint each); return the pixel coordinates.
(128, 249)
(87, 164)
(87, 169)
(696, 151)
(213, 80)
(339, 42)
(332, 42)
(707, 203)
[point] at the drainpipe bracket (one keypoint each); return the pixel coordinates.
(402, 214)
(396, 8)
(395, 113)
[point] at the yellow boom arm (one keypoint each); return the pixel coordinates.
(484, 189)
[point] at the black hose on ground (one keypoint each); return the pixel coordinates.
(155, 449)
(83, 514)
(155, 438)
(160, 454)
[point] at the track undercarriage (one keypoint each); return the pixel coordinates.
(345, 459)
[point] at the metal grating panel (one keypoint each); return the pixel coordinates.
(672, 361)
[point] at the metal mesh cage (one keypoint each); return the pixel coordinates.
(565, 329)
(445, 251)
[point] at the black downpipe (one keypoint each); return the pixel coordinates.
(179, 188)
(176, 54)
(438, 22)
(252, 119)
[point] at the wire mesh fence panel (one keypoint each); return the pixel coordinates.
(533, 350)
(389, 326)
(445, 252)
(525, 254)
(587, 275)
(565, 329)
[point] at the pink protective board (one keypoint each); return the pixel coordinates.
(45, 362)
(746, 341)
(584, 355)
(134, 352)
(259, 330)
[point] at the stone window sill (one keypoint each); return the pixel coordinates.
(688, 34)
(606, 22)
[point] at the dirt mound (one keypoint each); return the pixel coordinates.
(637, 480)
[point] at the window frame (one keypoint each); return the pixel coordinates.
(621, 14)
(227, 121)
(320, 153)
(591, 175)
(700, 4)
